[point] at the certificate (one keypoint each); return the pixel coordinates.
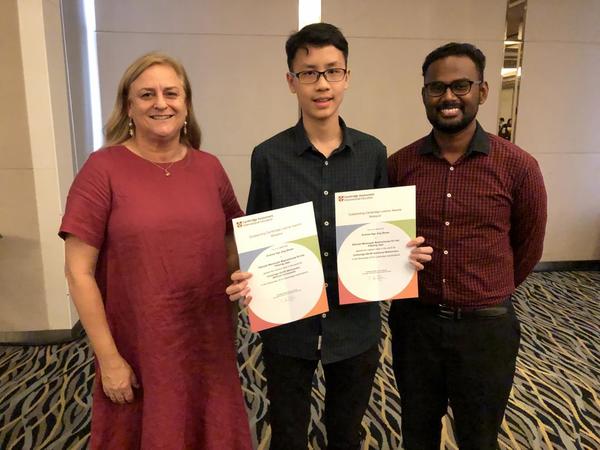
(372, 229)
(281, 250)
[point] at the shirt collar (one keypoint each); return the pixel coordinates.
(480, 142)
(303, 143)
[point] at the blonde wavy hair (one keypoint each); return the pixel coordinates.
(116, 129)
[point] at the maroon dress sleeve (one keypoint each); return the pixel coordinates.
(231, 207)
(88, 204)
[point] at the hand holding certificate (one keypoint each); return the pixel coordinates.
(372, 230)
(281, 249)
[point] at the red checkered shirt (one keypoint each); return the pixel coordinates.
(484, 216)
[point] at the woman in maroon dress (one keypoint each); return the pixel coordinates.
(148, 242)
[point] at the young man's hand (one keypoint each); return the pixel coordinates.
(239, 290)
(418, 254)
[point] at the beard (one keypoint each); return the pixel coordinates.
(450, 126)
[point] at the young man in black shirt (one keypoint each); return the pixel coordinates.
(312, 161)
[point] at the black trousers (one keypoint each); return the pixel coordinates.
(348, 386)
(469, 362)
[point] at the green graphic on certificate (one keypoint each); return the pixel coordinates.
(281, 250)
(372, 230)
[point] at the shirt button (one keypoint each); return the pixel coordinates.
(325, 253)
(447, 223)
(445, 252)
(326, 163)
(324, 316)
(451, 169)
(325, 192)
(443, 280)
(448, 195)
(326, 223)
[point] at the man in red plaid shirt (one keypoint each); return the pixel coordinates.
(481, 204)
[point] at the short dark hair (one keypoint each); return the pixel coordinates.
(316, 35)
(457, 49)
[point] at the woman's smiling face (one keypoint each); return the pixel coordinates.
(157, 103)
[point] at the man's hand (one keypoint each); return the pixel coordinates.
(418, 254)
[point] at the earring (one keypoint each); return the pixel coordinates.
(130, 127)
(185, 127)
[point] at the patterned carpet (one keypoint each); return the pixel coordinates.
(555, 403)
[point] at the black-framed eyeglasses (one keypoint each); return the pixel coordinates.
(312, 76)
(458, 87)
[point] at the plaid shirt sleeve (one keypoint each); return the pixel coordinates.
(529, 215)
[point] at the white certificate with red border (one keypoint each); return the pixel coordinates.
(372, 229)
(281, 250)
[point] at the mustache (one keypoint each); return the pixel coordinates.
(447, 105)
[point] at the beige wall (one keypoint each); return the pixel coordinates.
(75, 38)
(558, 108)
(234, 54)
(36, 166)
(21, 279)
(389, 40)
(558, 120)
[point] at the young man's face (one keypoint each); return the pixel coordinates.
(320, 100)
(451, 113)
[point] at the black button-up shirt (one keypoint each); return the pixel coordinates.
(288, 170)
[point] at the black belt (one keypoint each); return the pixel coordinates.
(457, 313)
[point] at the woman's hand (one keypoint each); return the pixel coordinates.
(239, 289)
(418, 254)
(118, 380)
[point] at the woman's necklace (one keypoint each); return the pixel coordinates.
(164, 169)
